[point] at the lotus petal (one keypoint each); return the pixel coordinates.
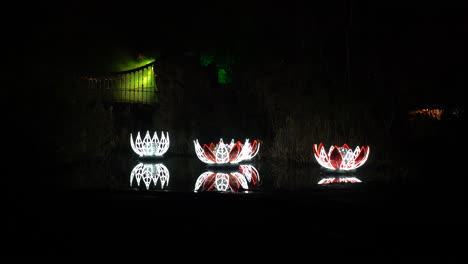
(208, 153)
(234, 153)
(335, 157)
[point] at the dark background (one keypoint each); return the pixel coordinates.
(398, 55)
(424, 44)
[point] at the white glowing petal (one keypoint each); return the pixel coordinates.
(222, 152)
(155, 147)
(137, 146)
(356, 152)
(201, 179)
(348, 159)
(147, 175)
(163, 174)
(364, 159)
(323, 159)
(163, 144)
(241, 179)
(136, 173)
(221, 182)
(147, 145)
(200, 152)
(246, 151)
(133, 144)
(330, 151)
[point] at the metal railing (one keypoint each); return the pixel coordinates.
(133, 86)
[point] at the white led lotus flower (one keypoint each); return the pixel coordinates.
(150, 146)
(227, 182)
(150, 173)
(222, 153)
(341, 158)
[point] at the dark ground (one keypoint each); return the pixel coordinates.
(390, 221)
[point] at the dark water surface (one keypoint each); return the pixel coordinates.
(130, 205)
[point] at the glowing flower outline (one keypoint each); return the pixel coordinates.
(339, 180)
(341, 158)
(150, 146)
(150, 173)
(228, 181)
(222, 153)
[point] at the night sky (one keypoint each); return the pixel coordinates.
(424, 45)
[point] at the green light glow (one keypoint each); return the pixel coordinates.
(136, 87)
(223, 76)
(206, 60)
(131, 63)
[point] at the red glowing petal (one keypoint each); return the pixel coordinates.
(234, 183)
(240, 143)
(360, 156)
(317, 150)
(254, 145)
(209, 182)
(346, 146)
(314, 149)
(254, 177)
(208, 153)
(212, 146)
(336, 158)
(234, 153)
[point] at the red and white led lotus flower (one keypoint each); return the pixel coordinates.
(228, 182)
(341, 158)
(222, 153)
(339, 180)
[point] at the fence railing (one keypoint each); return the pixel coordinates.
(133, 86)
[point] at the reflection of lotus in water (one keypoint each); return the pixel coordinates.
(339, 180)
(222, 153)
(150, 146)
(341, 158)
(225, 182)
(150, 173)
(250, 173)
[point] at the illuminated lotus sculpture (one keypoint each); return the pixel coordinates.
(228, 182)
(341, 158)
(150, 146)
(222, 153)
(150, 173)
